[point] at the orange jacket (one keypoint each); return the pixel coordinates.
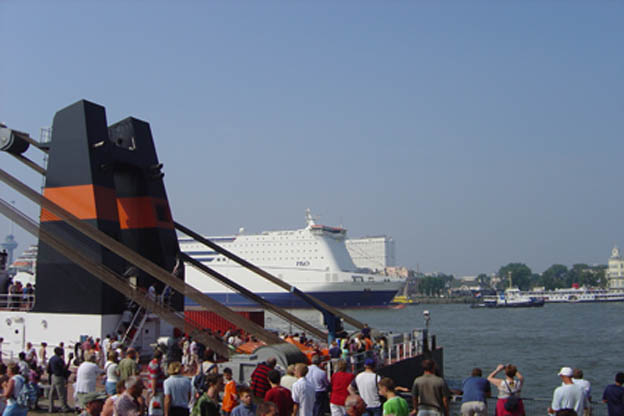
(229, 397)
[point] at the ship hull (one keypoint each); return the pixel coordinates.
(339, 299)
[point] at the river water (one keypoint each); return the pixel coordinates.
(539, 341)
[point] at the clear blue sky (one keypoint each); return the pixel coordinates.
(474, 133)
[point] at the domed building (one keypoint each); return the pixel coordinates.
(615, 272)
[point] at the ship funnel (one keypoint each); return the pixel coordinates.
(309, 219)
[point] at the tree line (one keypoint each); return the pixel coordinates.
(555, 277)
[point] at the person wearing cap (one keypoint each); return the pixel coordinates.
(568, 395)
(94, 402)
(177, 391)
(366, 384)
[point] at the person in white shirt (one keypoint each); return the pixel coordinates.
(366, 384)
(568, 395)
(31, 353)
(318, 378)
(577, 378)
(106, 345)
(86, 378)
(302, 392)
(289, 378)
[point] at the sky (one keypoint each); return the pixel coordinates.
(473, 133)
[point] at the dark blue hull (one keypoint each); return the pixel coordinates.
(342, 299)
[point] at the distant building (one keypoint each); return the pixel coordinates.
(375, 253)
(615, 271)
(403, 272)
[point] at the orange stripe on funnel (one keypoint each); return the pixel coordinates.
(87, 202)
(143, 212)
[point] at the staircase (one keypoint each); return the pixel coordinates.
(137, 322)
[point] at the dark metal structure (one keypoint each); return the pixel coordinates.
(108, 177)
(104, 193)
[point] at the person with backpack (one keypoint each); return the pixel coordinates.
(509, 402)
(208, 403)
(17, 403)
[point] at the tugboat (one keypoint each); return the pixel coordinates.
(510, 298)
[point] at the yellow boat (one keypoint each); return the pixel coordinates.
(403, 299)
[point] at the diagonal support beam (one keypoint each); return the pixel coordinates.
(314, 302)
(141, 262)
(114, 280)
(256, 298)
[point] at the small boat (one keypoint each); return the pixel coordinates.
(511, 298)
(403, 300)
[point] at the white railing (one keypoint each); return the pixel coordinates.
(382, 356)
(17, 302)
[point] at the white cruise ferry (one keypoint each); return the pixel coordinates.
(574, 295)
(313, 259)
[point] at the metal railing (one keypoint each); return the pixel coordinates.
(382, 356)
(17, 302)
(532, 406)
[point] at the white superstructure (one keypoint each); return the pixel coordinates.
(314, 259)
(375, 253)
(574, 295)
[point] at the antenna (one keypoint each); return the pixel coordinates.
(11, 222)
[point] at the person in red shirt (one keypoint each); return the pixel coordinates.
(279, 395)
(340, 382)
(259, 382)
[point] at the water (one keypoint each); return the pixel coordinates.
(539, 341)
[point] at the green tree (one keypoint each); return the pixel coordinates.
(520, 275)
(554, 277)
(434, 285)
(601, 275)
(484, 280)
(585, 275)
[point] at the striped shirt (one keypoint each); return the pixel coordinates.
(156, 376)
(259, 380)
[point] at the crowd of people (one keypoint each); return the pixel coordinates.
(571, 398)
(105, 379)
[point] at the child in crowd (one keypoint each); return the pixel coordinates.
(246, 406)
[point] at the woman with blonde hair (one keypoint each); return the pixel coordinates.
(112, 373)
(509, 402)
